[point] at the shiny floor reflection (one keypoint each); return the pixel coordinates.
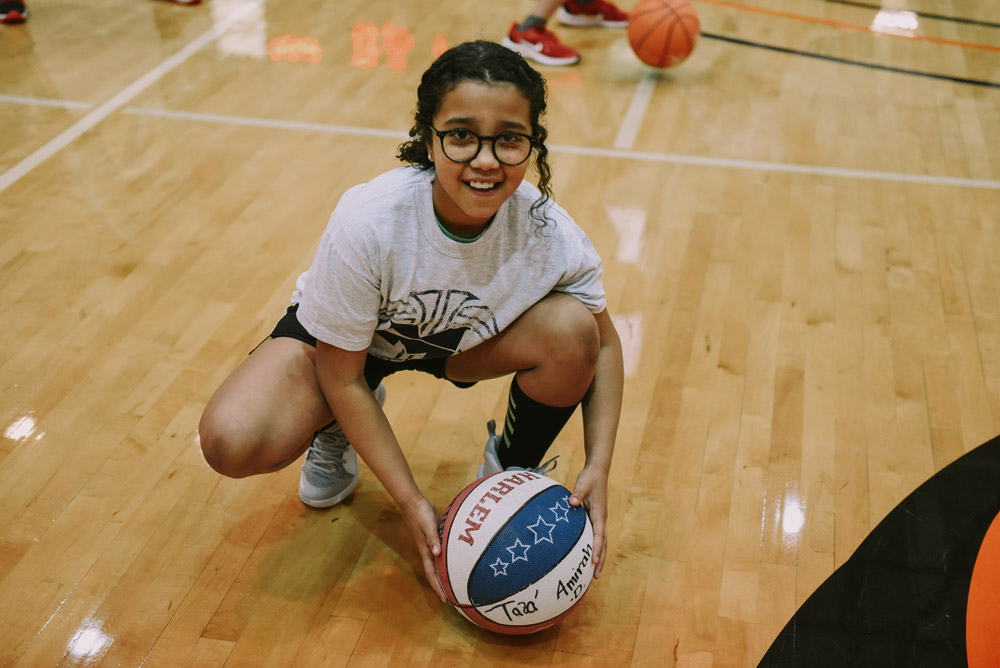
(902, 598)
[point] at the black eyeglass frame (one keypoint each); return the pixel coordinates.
(532, 140)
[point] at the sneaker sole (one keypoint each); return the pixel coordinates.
(327, 503)
(578, 21)
(11, 18)
(532, 53)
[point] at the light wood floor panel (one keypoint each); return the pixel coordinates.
(803, 348)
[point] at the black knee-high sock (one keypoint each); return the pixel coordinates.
(530, 428)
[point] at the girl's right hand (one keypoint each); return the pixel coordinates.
(423, 520)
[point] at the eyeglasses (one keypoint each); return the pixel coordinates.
(462, 145)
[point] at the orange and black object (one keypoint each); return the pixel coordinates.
(922, 590)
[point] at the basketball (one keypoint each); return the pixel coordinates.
(663, 33)
(516, 557)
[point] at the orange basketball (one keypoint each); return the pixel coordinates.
(983, 609)
(663, 32)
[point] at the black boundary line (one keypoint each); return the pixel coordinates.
(926, 15)
(846, 61)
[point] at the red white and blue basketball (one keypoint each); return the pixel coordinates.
(516, 557)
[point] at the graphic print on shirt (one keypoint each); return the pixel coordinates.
(432, 323)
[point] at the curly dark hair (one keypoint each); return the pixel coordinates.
(486, 62)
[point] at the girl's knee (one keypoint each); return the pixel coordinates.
(224, 449)
(567, 331)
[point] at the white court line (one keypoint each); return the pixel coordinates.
(788, 168)
(122, 98)
(44, 102)
(268, 123)
(636, 113)
(622, 154)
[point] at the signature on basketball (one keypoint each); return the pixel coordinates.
(573, 587)
(516, 608)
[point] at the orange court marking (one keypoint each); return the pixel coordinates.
(983, 609)
(850, 26)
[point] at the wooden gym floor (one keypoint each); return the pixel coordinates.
(800, 227)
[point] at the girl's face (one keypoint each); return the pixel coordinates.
(467, 195)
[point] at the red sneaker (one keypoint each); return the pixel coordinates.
(541, 45)
(13, 12)
(594, 13)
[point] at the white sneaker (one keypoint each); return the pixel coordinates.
(330, 470)
(491, 460)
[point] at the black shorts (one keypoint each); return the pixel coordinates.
(375, 368)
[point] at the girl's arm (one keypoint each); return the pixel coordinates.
(341, 377)
(602, 407)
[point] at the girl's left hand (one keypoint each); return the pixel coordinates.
(591, 492)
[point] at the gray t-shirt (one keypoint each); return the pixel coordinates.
(386, 277)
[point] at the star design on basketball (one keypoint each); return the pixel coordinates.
(517, 547)
(499, 567)
(561, 512)
(542, 530)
